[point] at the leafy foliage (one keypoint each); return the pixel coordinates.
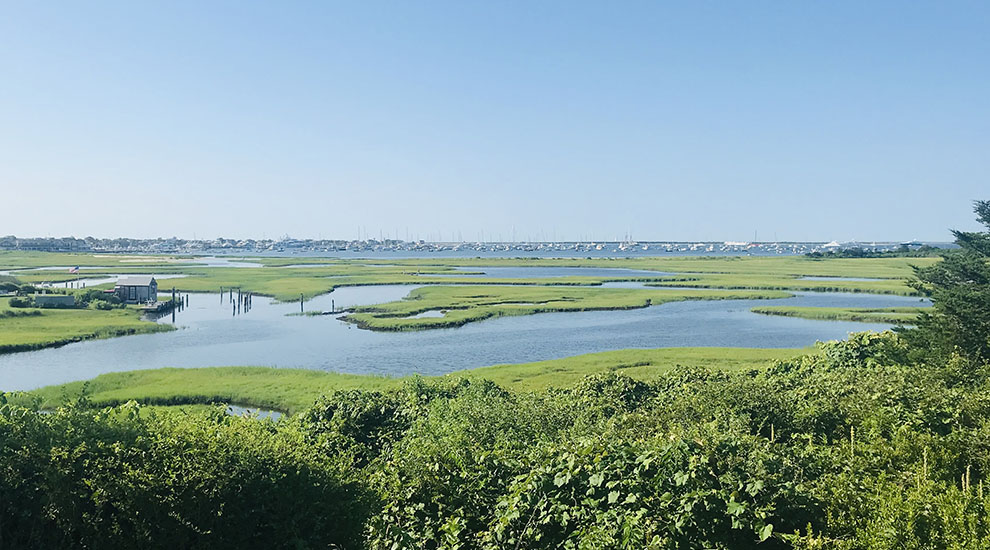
(851, 447)
(20, 302)
(854, 446)
(121, 478)
(959, 287)
(98, 299)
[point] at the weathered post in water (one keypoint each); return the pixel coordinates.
(173, 305)
(221, 295)
(300, 303)
(333, 308)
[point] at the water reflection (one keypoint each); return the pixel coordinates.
(525, 272)
(824, 278)
(253, 412)
(266, 336)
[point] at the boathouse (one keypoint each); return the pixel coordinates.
(137, 290)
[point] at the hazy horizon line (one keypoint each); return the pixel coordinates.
(387, 238)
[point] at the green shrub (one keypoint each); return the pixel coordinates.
(121, 478)
(713, 488)
(365, 424)
(21, 301)
(98, 299)
(856, 446)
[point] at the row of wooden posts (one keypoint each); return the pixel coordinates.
(243, 301)
(181, 303)
(302, 299)
(161, 309)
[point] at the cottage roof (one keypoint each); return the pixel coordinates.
(136, 281)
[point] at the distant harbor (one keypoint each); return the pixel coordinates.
(394, 248)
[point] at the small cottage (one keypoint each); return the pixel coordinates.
(137, 290)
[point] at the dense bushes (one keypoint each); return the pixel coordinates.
(853, 447)
(26, 289)
(98, 299)
(710, 489)
(124, 479)
(20, 302)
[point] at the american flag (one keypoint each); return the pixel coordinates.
(74, 269)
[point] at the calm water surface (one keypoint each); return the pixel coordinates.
(525, 272)
(826, 278)
(212, 335)
(254, 412)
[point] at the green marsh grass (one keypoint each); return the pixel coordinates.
(322, 275)
(25, 329)
(20, 259)
(709, 277)
(465, 304)
(891, 315)
(292, 390)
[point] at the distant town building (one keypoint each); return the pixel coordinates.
(137, 290)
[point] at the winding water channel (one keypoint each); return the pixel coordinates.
(211, 335)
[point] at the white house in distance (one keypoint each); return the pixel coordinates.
(137, 290)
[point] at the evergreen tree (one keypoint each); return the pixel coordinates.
(959, 287)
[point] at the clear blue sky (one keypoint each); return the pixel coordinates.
(672, 121)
